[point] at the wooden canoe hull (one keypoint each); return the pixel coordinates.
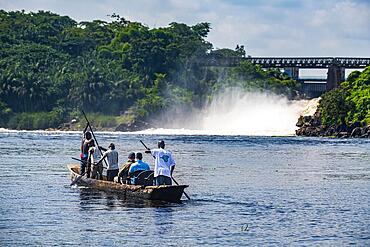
(169, 193)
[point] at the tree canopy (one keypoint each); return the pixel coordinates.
(350, 103)
(53, 64)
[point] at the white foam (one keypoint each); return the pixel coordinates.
(232, 112)
(235, 112)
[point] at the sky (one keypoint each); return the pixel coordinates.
(265, 27)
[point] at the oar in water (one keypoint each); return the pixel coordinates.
(171, 176)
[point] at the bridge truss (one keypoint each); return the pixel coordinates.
(336, 67)
(292, 62)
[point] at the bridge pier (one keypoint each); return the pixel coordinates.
(292, 72)
(336, 75)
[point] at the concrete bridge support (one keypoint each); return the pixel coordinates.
(293, 72)
(336, 75)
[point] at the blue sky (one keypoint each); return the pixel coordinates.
(266, 27)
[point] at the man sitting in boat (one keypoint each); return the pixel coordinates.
(138, 166)
(111, 156)
(164, 165)
(123, 171)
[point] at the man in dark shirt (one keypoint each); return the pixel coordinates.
(85, 145)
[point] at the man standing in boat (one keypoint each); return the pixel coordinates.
(111, 156)
(164, 165)
(85, 145)
(94, 157)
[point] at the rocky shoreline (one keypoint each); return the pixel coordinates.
(312, 126)
(131, 126)
(308, 126)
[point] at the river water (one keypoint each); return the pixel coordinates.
(258, 191)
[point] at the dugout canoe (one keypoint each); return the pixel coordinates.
(169, 193)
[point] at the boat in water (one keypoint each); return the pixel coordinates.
(168, 193)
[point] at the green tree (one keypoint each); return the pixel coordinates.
(334, 107)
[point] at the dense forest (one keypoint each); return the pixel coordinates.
(349, 103)
(52, 67)
(123, 72)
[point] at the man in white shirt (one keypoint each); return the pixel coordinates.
(164, 165)
(111, 157)
(94, 157)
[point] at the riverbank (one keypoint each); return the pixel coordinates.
(312, 126)
(309, 125)
(56, 121)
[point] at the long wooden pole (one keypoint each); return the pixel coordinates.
(87, 125)
(96, 141)
(171, 175)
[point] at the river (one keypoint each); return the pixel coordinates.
(245, 190)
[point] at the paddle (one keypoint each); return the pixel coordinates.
(171, 176)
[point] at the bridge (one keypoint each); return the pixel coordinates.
(336, 68)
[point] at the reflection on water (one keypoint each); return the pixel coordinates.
(91, 197)
(163, 219)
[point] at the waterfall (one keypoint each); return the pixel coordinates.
(234, 112)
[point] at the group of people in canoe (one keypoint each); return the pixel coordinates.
(96, 158)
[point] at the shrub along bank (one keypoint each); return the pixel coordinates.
(342, 112)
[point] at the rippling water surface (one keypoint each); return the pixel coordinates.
(258, 191)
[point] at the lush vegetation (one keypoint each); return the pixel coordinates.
(348, 104)
(51, 67)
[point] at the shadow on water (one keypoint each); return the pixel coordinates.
(91, 199)
(163, 219)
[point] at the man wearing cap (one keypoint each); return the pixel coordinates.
(111, 157)
(164, 165)
(123, 171)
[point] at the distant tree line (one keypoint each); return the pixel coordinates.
(51, 67)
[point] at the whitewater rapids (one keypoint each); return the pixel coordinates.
(242, 113)
(231, 112)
